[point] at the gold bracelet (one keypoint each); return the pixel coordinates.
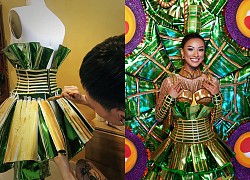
(167, 102)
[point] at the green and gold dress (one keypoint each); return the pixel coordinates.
(192, 149)
(33, 129)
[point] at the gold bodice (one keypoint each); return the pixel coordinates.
(192, 85)
(201, 96)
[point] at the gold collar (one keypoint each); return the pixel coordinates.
(190, 75)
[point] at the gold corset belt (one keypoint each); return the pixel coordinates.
(36, 82)
(192, 131)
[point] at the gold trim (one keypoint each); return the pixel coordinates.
(36, 82)
(77, 123)
(190, 75)
(5, 109)
(166, 4)
(192, 131)
(52, 124)
(23, 138)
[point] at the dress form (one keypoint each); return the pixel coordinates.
(28, 24)
(36, 23)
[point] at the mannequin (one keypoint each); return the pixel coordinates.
(36, 23)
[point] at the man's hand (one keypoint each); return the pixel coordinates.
(73, 94)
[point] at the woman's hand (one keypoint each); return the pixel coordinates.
(175, 90)
(73, 94)
(212, 87)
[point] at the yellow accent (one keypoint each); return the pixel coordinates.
(52, 124)
(194, 103)
(240, 156)
(5, 109)
(240, 16)
(130, 18)
(22, 142)
(129, 164)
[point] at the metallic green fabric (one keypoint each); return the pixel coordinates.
(185, 111)
(34, 56)
(235, 91)
(36, 82)
(27, 170)
(193, 23)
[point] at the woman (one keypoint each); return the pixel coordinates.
(193, 100)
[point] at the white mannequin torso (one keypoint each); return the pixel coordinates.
(36, 23)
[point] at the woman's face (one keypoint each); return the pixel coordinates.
(193, 53)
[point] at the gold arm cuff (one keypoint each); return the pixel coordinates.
(163, 111)
(217, 99)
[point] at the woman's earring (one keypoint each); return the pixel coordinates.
(122, 119)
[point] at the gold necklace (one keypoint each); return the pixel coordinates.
(165, 4)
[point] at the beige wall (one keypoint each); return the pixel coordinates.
(87, 22)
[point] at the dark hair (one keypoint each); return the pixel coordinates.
(102, 73)
(189, 36)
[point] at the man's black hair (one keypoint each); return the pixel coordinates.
(102, 73)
